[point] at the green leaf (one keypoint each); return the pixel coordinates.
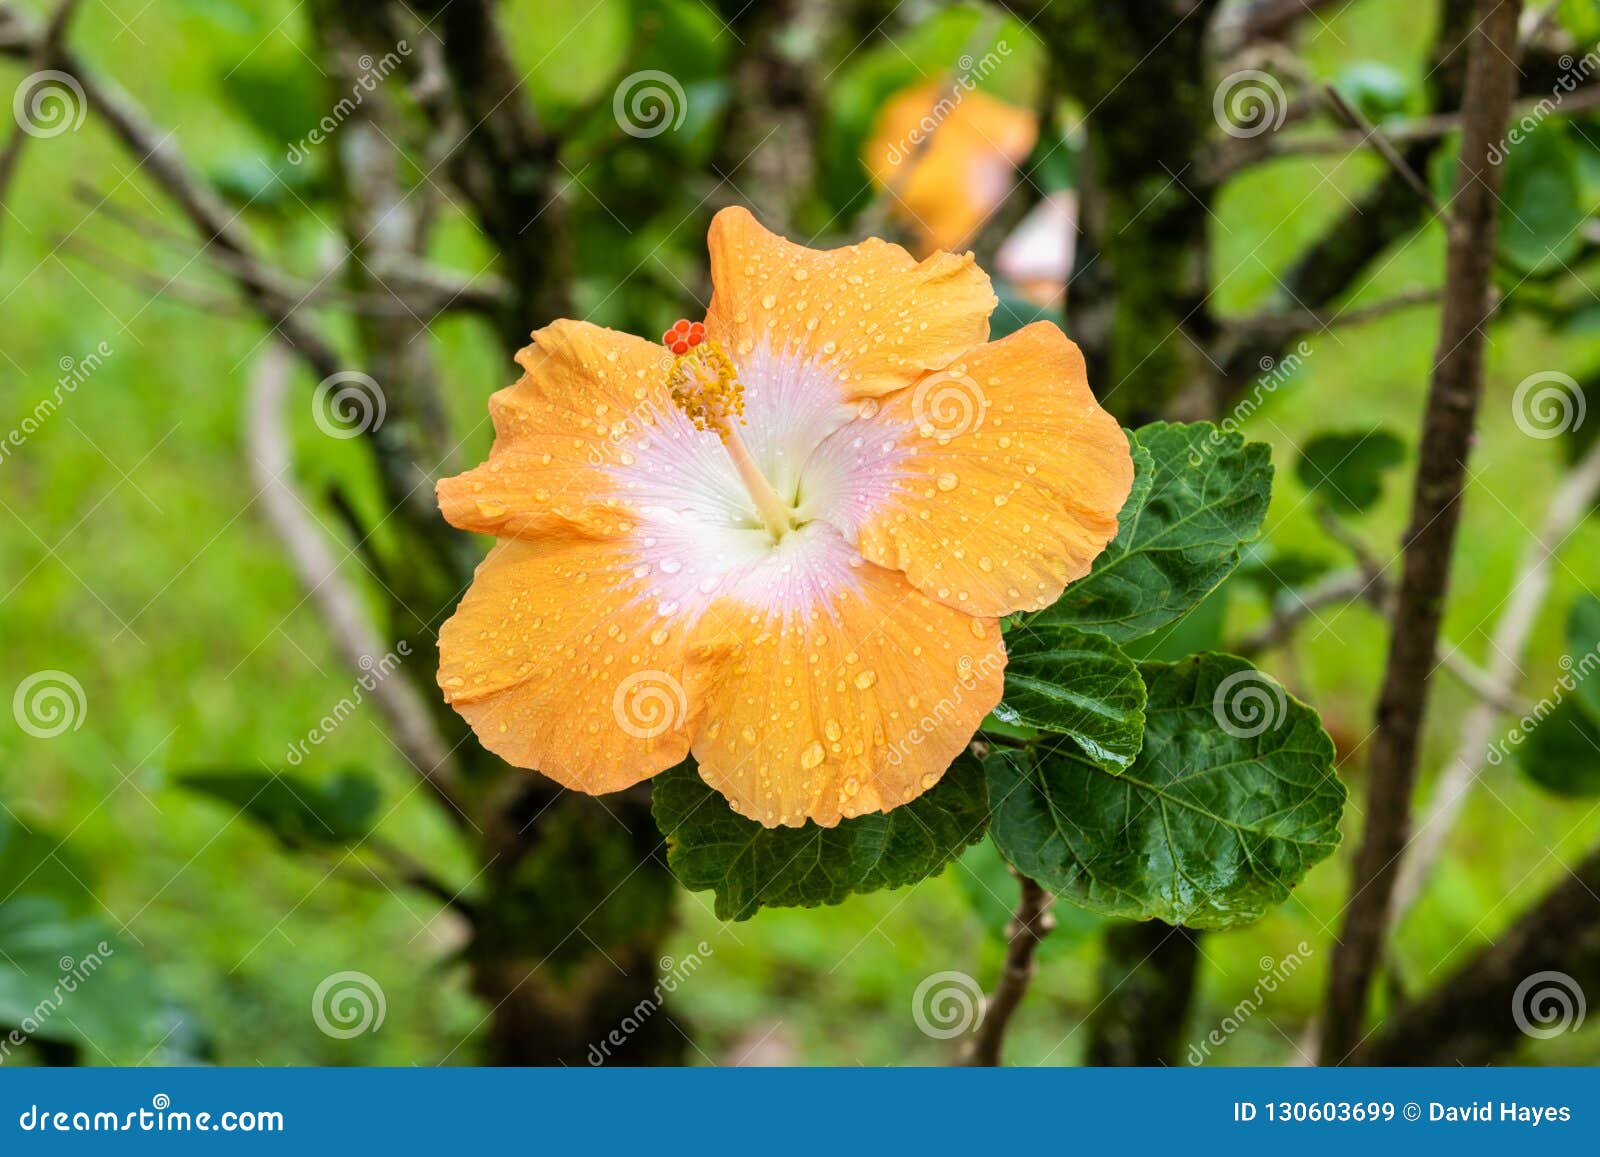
(1274, 571)
(1199, 494)
(1583, 651)
(1346, 470)
(36, 863)
(1075, 683)
(69, 978)
(1232, 799)
(1541, 201)
(1377, 90)
(750, 866)
(301, 814)
(1561, 751)
(65, 975)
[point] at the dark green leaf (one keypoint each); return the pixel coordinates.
(1075, 683)
(750, 866)
(1274, 571)
(36, 863)
(1583, 652)
(1199, 495)
(69, 978)
(298, 812)
(1346, 470)
(1232, 799)
(1560, 751)
(1541, 201)
(281, 96)
(1378, 91)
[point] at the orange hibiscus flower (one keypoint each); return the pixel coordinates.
(782, 541)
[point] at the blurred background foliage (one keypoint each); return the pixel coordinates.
(132, 554)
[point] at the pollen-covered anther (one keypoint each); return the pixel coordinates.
(703, 382)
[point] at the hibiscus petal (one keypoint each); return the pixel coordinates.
(828, 688)
(870, 314)
(562, 659)
(991, 484)
(585, 399)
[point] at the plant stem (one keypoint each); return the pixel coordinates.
(1030, 924)
(1447, 430)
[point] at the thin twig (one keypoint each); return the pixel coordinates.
(1030, 924)
(338, 603)
(1571, 503)
(42, 55)
(1447, 431)
(1375, 137)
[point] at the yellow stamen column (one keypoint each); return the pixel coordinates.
(707, 390)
